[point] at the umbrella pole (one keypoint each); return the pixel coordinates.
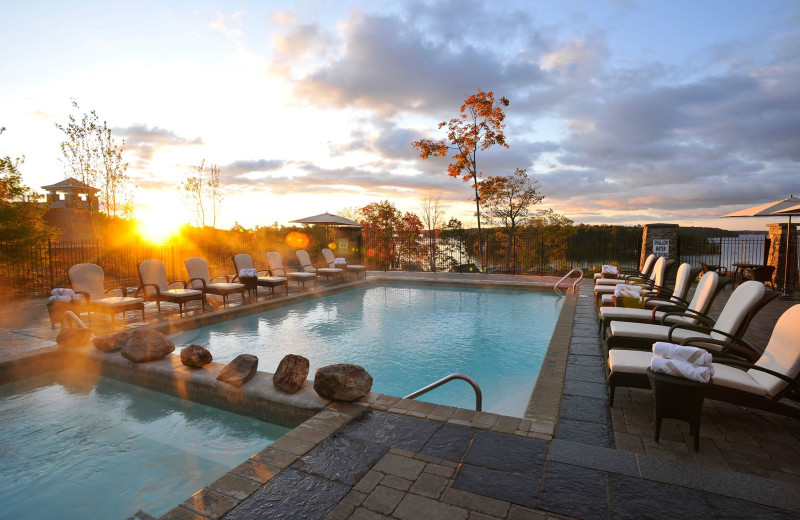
(788, 256)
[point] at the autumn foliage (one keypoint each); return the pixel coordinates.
(479, 126)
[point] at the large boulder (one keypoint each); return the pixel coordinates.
(112, 342)
(291, 374)
(195, 356)
(342, 382)
(147, 345)
(75, 337)
(240, 370)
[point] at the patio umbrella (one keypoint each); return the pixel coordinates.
(327, 219)
(789, 206)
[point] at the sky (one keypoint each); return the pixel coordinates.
(627, 111)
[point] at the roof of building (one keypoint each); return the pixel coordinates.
(70, 184)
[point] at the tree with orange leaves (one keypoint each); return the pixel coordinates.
(478, 127)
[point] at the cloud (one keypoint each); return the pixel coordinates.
(222, 24)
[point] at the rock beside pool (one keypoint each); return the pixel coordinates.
(195, 356)
(342, 382)
(291, 374)
(73, 337)
(147, 345)
(240, 370)
(112, 342)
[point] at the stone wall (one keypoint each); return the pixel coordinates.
(777, 253)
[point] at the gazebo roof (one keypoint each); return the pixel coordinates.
(70, 184)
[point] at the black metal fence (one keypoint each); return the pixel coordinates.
(34, 268)
(526, 254)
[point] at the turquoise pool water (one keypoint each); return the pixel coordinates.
(406, 337)
(75, 446)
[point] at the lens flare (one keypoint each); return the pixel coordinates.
(370, 252)
(297, 240)
(153, 227)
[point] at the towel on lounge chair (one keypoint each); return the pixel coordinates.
(696, 356)
(684, 369)
(247, 273)
(609, 269)
(623, 289)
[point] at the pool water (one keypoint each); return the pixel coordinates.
(76, 446)
(406, 337)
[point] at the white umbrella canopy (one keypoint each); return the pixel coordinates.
(328, 219)
(787, 207)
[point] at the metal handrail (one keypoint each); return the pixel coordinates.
(451, 377)
(574, 285)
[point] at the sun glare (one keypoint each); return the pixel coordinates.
(156, 227)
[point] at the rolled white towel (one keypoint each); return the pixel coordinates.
(623, 289)
(609, 269)
(65, 299)
(696, 356)
(684, 369)
(340, 260)
(247, 273)
(62, 291)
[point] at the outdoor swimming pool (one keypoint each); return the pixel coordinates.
(73, 445)
(406, 337)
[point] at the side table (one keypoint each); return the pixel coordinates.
(56, 310)
(678, 398)
(250, 285)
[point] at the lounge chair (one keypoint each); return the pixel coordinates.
(604, 292)
(722, 271)
(766, 384)
(351, 268)
(626, 274)
(153, 277)
(701, 301)
(88, 280)
(761, 274)
(200, 279)
(327, 272)
(743, 304)
(275, 261)
(245, 261)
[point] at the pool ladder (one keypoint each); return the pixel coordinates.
(447, 379)
(574, 285)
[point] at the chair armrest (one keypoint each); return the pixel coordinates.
(201, 280)
(154, 286)
(86, 296)
(705, 321)
(742, 349)
(182, 282)
(699, 328)
(263, 271)
(121, 289)
(223, 276)
(751, 366)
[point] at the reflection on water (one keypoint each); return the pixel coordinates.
(69, 442)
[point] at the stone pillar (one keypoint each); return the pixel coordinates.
(666, 241)
(777, 253)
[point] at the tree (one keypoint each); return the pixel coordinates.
(378, 222)
(478, 127)
(409, 228)
(432, 219)
(509, 201)
(115, 197)
(92, 156)
(214, 193)
(20, 216)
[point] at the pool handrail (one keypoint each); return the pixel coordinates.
(447, 379)
(574, 285)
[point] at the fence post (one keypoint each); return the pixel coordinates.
(50, 262)
(541, 256)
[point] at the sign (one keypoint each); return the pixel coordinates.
(661, 247)
(343, 244)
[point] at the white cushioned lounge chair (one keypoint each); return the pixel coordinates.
(603, 292)
(771, 383)
(89, 280)
(245, 261)
(153, 277)
(707, 290)
(275, 261)
(307, 267)
(199, 278)
(739, 310)
(330, 259)
(628, 274)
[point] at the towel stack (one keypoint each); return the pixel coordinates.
(610, 270)
(340, 261)
(687, 362)
(247, 273)
(64, 295)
